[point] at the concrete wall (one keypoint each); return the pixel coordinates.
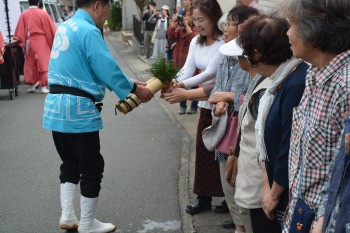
(269, 5)
(128, 10)
(226, 5)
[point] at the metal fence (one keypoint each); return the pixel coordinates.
(138, 32)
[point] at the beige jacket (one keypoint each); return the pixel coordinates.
(249, 178)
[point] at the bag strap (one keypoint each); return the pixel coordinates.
(237, 149)
(302, 156)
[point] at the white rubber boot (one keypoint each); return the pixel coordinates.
(33, 87)
(44, 90)
(68, 219)
(88, 222)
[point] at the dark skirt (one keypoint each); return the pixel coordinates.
(207, 180)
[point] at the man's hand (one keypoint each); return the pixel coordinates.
(144, 93)
(137, 82)
(145, 11)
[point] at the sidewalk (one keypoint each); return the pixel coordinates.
(206, 222)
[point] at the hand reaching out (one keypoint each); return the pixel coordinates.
(137, 82)
(176, 95)
(144, 93)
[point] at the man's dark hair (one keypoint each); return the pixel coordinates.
(82, 3)
(33, 2)
(152, 3)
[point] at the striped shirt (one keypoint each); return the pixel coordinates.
(316, 128)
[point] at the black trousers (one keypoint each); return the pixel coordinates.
(81, 160)
(261, 224)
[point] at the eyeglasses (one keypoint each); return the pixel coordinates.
(230, 24)
(240, 58)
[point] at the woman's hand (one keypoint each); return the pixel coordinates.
(231, 170)
(174, 18)
(269, 204)
(176, 95)
(185, 21)
(220, 108)
(179, 85)
(166, 89)
(318, 226)
(221, 97)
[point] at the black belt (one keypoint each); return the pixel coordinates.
(59, 89)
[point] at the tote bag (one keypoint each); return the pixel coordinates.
(230, 138)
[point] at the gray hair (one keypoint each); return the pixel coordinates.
(222, 21)
(323, 24)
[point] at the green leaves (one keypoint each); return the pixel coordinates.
(164, 70)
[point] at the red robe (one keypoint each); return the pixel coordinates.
(35, 32)
(2, 49)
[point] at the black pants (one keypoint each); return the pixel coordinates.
(261, 224)
(81, 160)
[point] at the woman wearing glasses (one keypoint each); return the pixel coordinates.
(274, 121)
(203, 55)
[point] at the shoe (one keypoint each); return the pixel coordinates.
(229, 224)
(44, 90)
(192, 111)
(182, 111)
(199, 206)
(33, 87)
(68, 220)
(222, 208)
(88, 222)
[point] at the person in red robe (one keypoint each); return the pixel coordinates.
(35, 32)
(2, 49)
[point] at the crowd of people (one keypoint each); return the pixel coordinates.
(280, 80)
(286, 76)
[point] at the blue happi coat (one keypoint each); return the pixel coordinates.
(80, 58)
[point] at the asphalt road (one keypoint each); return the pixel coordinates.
(140, 186)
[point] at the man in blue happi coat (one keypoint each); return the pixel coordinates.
(80, 68)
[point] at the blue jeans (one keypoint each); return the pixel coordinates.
(194, 104)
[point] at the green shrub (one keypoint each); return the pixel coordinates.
(115, 16)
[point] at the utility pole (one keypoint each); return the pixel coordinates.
(7, 20)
